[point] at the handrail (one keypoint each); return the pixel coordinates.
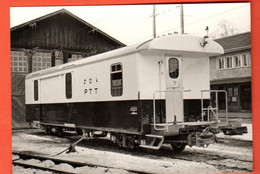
(165, 125)
(216, 100)
(154, 115)
(215, 115)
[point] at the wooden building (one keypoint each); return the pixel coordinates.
(47, 41)
(232, 72)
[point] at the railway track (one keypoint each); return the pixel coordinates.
(44, 163)
(223, 161)
(56, 165)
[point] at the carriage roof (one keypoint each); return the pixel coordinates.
(176, 43)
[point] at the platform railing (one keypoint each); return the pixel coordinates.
(214, 110)
(163, 126)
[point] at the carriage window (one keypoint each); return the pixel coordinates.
(116, 80)
(36, 92)
(173, 68)
(68, 85)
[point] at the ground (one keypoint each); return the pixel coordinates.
(231, 154)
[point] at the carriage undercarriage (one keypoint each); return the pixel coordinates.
(179, 135)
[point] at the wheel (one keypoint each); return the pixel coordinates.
(48, 130)
(79, 131)
(178, 147)
(59, 132)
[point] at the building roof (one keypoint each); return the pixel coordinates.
(236, 42)
(62, 11)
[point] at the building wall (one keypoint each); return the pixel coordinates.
(234, 77)
(55, 40)
(238, 96)
(234, 72)
(52, 41)
(18, 100)
(61, 32)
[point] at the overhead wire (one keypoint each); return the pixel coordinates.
(206, 18)
(104, 18)
(217, 14)
(161, 13)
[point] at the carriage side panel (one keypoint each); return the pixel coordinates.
(90, 103)
(195, 76)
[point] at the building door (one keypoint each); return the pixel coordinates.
(245, 92)
(221, 98)
(173, 96)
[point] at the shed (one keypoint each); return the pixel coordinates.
(47, 41)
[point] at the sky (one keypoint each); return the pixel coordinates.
(132, 24)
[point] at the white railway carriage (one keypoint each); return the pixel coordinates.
(145, 94)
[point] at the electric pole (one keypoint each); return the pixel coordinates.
(154, 22)
(182, 18)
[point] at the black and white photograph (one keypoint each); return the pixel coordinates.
(124, 89)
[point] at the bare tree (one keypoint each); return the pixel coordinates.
(224, 29)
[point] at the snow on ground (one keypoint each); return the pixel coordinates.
(21, 170)
(221, 150)
(119, 162)
(115, 162)
(146, 165)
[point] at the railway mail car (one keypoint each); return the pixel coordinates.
(143, 94)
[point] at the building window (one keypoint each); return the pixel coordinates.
(220, 63)
(41, 61)
(246, 60)
(36, 90)
(230, 92)
(173, 68)
(245, 93)
(228, 62)
(19, 62)
(74, 57)
(116, 80)
(68, 85)
(236, 91)
(237, 61)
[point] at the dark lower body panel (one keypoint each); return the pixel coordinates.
(133, 116)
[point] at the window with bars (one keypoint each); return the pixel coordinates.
(19, 62)
(41, 61)
(116, 80)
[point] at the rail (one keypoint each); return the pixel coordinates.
(210, 108)
(163, 126)
(23, 159)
